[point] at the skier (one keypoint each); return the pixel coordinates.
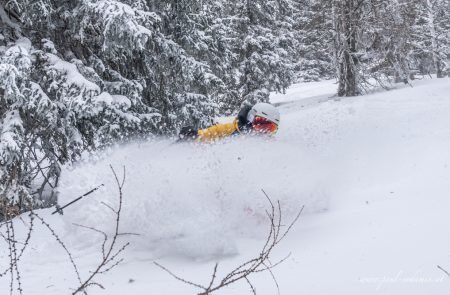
(262, 118)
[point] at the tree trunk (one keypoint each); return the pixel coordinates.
(434, 45)
(346, 48)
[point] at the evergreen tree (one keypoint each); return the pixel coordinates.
(373, 43)
(431, 37)
(346, 16)
(313, 31)
(264, 64)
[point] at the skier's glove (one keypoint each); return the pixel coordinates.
(188, 133)
(243, 123)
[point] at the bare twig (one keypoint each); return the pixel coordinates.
(61, 243)
(213, 276)
(25, 243)
(177, 277)
(11, 259)
(109, 253)
(446, 272)
(251, 286)
(14, 252)
(105, 236)
(260, 263)
(269, 269)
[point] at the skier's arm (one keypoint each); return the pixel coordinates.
(217, 131)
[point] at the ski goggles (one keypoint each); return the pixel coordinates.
(263, 125)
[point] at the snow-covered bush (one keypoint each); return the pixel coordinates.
(313, 32)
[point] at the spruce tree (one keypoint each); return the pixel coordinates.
(264, 64)
(313, 29)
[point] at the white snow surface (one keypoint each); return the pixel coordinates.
(372, 172)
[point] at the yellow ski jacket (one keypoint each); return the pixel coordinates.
(218, 131)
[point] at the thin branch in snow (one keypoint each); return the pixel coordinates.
(260, 263)
(446, 272)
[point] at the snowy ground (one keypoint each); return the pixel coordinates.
(372, 171)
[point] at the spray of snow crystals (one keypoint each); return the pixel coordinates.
(193, 200)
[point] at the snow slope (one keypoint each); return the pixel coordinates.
(372, 172)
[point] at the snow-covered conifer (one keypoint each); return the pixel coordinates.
(264, 64)
(431, 37)
(313, 30)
